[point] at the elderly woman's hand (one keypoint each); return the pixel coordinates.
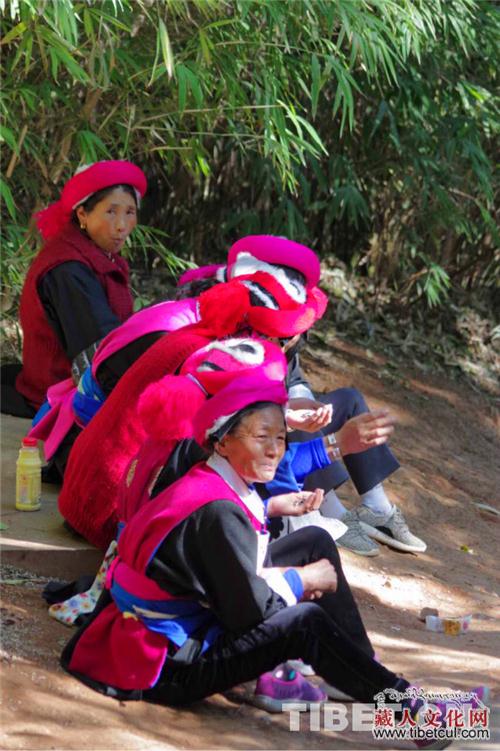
(308, 415)
(295, 504)
(317, 578)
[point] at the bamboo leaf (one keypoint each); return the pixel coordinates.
(100, 15)
(194, 85)
(8, 136)
(205, 47)
(313, 133)
(8, 199)
(166, 48)
(87, 24)
(17, 31)
(54, 63)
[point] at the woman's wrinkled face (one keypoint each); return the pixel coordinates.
(111, 220)
(257, 445)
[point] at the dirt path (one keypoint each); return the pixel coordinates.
(448, 443)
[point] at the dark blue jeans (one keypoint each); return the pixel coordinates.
(366, 469)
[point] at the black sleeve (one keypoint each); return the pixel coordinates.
(76, 306)
(212, 555)
(294, 374)
(111, 370)
(186, 454)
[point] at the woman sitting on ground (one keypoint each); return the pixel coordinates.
(77, 288)
(197, 601)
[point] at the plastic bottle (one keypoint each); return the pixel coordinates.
(28, 476)
(451, 626)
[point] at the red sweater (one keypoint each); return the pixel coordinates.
(44, 360)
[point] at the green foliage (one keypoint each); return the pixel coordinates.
(364, 126)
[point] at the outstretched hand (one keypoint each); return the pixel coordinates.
(308, 415)
(365, 431)
(295, 504)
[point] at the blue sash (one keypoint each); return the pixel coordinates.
(88, 398)
(178, 620)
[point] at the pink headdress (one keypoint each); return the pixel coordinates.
(82, 185)
(216, 270)
(244, 255)
(240, 393)
(167, 407)
(270, 310)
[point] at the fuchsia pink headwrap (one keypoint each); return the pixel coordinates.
(281, 307)
(167, 407)
(277, 251)
(240, 393)
(216, 270)
(53, 219)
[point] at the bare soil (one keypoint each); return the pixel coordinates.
(449, 445)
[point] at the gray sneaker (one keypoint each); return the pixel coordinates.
(391, 529)
(355, 538)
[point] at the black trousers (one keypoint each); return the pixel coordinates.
(366, 469)
(327, 634)
(12, 402)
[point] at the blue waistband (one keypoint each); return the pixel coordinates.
(178, 620)
(88, 399)
(41, 413)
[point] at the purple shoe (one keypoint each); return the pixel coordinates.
(282, 686)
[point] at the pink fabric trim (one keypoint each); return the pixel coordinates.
(202, 272)
(138, 584)
(57, 422)
(165, 316)
(149, 459)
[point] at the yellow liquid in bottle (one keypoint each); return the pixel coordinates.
(28, 479)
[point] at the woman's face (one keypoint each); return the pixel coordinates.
(257, 445)
(111, 220)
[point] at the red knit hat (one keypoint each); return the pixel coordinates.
(82, 185)
(228, 307)
(167, 407)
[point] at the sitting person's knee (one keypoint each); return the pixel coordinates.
(351, 400)
(306, 613)
(319, 544)
(325, 547)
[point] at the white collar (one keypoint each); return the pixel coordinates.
(250, 497)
